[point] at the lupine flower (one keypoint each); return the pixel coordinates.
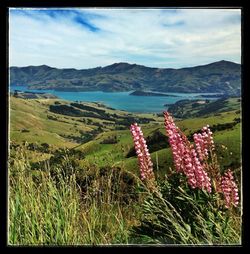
(176, 142)
(204, 142)
(185, 156)
(229, 189)
(202, 179)
(144, 159)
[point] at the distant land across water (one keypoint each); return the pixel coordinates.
(218, 77)
(123, 100)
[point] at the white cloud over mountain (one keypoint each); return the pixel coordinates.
(86, 38)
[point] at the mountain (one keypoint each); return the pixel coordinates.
(220, 77)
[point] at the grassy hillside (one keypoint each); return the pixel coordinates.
(116, 154)
(197, 108)
(103, 142)
(75, 180)
(46, 121)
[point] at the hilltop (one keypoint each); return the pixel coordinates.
(218, 77)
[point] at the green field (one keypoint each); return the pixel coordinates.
(74, 176)
(202, 107)
(29, 122)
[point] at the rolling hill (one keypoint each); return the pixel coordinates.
(196, 108)
(45, 127)
(66, 124)
(218, 77)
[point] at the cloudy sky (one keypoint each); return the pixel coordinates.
(86, 38)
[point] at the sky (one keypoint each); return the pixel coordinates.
(83, 38)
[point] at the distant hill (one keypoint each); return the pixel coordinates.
(143, 93)
(201, 108)
(32, 95)
(220, 77)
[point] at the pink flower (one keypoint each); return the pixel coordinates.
(144, 159)
(229, 189)
(176, 142)
(185, 156)
(204, 142)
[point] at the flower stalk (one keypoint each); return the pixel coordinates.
(144, 159)
(186, 159)
(229, 189)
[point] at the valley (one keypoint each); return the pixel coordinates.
(75, 161)
(124, 126)
(72, 148)
(102, 135)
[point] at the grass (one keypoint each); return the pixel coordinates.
(186, 219)
(51, 206)
(52, 210)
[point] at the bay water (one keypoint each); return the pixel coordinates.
(122, 100)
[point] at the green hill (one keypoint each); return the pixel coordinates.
(63, 123)
(102, 134)
(218, 77)
(117, 154)
(197, 108)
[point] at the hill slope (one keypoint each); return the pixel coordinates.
(220, 77)
(64, 123)
(197, 108)
(105, 142)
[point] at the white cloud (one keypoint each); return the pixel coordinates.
(86, 38)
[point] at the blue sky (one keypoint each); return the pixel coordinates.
(86, 38)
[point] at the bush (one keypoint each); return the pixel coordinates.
(110, 140)
(155, 142)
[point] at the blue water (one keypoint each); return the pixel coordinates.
(121, 100)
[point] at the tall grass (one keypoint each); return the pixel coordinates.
(180, 216)
(51, 209)
(61, 204)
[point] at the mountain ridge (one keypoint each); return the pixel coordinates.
(221, 76)
(126, 63)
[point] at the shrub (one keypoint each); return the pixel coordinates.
(110, 140)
